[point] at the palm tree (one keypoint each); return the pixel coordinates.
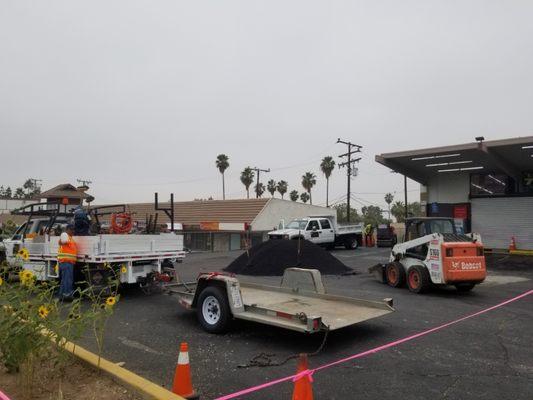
(294, 195)
(388, 199)
(308, 181)
(327, 166)
(259, 189)
(304, 197)
(271, 187)
(282, 187)
(222, 164)
(247, 178)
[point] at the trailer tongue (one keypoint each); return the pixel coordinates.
(300, 303)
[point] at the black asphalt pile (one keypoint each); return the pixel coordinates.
(270, 258)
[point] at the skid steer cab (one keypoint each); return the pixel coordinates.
(434, 254)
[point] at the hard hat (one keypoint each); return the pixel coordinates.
(63, 238)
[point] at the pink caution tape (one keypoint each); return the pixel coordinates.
(306, 373)
(309, 373)
(3, 396)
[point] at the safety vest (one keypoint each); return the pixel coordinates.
(67, 252)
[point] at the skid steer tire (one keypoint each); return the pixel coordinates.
(464, 287)
(213, 310)
(395, 274)
(418, 279)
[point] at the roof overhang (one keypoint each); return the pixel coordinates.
(508, 156)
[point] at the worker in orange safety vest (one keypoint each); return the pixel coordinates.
(66, 258)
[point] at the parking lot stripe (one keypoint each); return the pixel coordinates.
(375, 349)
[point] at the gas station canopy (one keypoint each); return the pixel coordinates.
(508, 156)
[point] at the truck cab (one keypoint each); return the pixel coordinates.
(28, 232)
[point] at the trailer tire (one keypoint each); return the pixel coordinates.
(213, 311)
(418, 279)
(464, 287)
(350, 243)
(395, 274)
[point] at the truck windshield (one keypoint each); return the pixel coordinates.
(297, 224)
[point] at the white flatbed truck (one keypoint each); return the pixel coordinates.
(300, 303)
(322, 230)
(133, 258)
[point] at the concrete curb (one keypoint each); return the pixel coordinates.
(145, 388)
(521, 252)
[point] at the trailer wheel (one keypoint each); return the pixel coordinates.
(464, 287)
(395, 274)
(350, 243)
(213, 310)
(418, 279)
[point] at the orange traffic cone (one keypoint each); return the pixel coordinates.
(512, 246)
(302, 381)
(182, 378)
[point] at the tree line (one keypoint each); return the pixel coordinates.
(248, 176)
(373, 214)
(27, 191)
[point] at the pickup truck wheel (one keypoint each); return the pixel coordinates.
(213, 310)
(350, 243)
(418, 279)
(395, 274)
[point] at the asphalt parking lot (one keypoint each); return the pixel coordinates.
(486, 357)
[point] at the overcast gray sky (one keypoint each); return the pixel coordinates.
(141, 96)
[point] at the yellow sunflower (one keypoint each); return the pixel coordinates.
(26, 277)
(23, 253)
(56, 269)
(43, 311)
(110, 301)
(124, 269)
(1, 281)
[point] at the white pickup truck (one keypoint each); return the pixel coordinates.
(135, 258)
(322, 230)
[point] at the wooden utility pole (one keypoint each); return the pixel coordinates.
(349, 164)
(258, 171)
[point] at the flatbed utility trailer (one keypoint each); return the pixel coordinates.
(300, 303)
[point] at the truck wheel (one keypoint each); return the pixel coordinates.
(395, 274)
(213, 310)
(350, 243)
(418, 279)
(464, 287)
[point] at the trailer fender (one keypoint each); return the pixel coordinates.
(228, 284)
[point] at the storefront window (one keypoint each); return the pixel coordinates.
(490, 185)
